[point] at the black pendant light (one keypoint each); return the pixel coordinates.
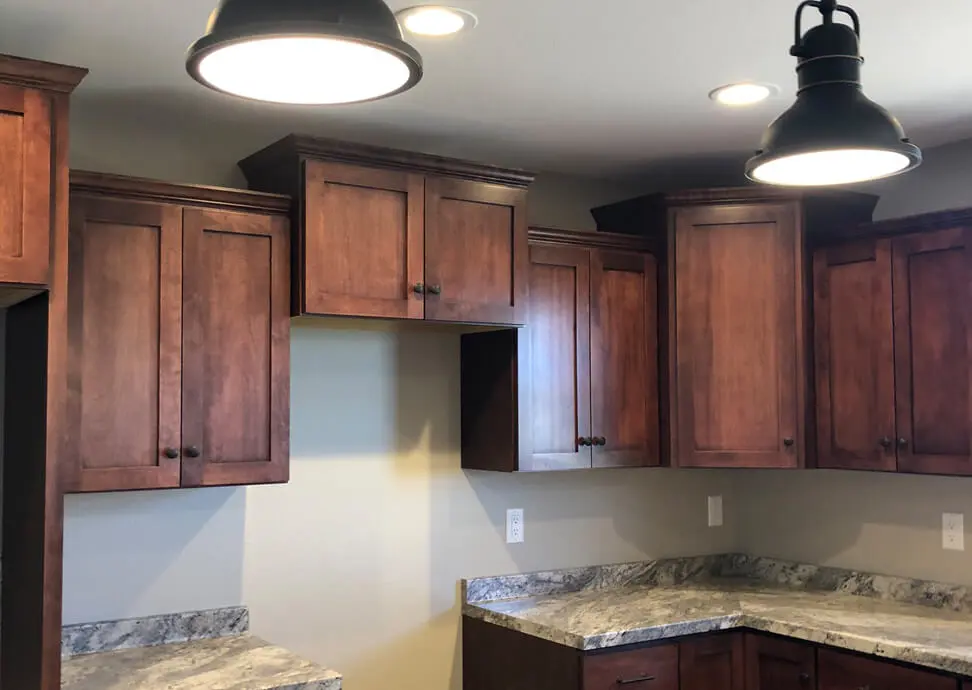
(833, 134)
(311, 52)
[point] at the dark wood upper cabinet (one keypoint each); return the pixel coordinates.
(854, 356)
(578, 386)
(842, 671)
(33, 158)
(715, 662)
(774, 663)
(178, 333)
(392, 234)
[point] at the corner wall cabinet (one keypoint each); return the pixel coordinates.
(735, 358)
(178, 328)
(391, 234)
(893, 343)
(578, 386)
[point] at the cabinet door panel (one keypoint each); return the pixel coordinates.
(25, 195)
(124, 330)
(236, 350)
(854, 337)
(712, 663)
(933, 351)
(776, 664)
(652, 668)
(476, 252)
(363, 243)
(624, 359)
(840, 671)
(560, 362)
(738, 336)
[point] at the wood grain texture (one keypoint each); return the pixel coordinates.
(235, 349)
(933, 351)
(560, 339)
(854, 356)
(49, 76)
(125, 338)
(736, 320)
(496, 658)
(588, 240)
(715, 662)
(843, 671)
(363, 242)
(774, 663)
(476, 252)
(647, 668)
(624, 359)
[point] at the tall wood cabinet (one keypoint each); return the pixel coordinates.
(392, 234)
(178, 327)
(577, 387)
(893, 344)
(735, 359)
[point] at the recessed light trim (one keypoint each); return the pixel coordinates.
(743, 93)
(436, 20)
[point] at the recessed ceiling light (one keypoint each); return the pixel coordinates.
(435, 20)
(745, 93)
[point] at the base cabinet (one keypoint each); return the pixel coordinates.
(773, 663)
(842, 671)
(715, 662)
(653, 668)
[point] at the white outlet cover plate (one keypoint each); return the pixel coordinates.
(715, 511)
(953, 531)
(514, 526)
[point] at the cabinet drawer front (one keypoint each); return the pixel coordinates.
(653, 668)
(841, 671)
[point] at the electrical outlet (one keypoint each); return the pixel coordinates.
(715, 511)
(953, 531)
(514, 526)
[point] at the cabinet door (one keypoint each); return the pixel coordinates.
(476, 253)
(933, 351)
(27, 185)
(559, 360)
(776, 664)
(738, 336)
(853, 346)
(651, 668)
(841, 671)
(125, 345)
(236, 349)
(712, 663)
(363, 242)
(624, 359)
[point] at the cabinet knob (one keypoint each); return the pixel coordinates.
(600, 441)
(804, 677)
(419, 288)
(902, 443)
(584, 441)
(193, 451)
(435, 289)
(171, 453)
(886, 442)
(788, 442)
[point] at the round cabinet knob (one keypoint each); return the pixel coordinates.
(435, 289)
(804, 677)
(419, 288)
(902, 443)
(193, 452)
(600, 441)
(171, 453)
(584, 441)
(885, 442)
(788, 442)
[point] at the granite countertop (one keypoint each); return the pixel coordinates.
(936, 633)
(241, 662)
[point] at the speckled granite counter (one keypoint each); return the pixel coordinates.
(242, 662)
(924, 623)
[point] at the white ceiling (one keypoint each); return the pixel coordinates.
(593, 87)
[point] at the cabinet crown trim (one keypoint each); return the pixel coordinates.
(37, 74)
(296, 147)
(140, 189)
(590, 240)
(935, 220)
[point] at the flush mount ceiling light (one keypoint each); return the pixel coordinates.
(744, 93)
(307, 52)
(833, 134)
(436, 20)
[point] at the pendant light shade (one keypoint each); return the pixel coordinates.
(308, 52)
(833, 134)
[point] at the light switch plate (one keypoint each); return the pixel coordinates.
(953, 531)
(514, 526)
(715, 511)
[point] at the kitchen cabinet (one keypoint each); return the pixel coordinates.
(715, 662)
(892, 338)
(577, 387)
(178, 332)
(398, 235)
(651, 667)
(774, 663)
(33, 157)
(842, 671)
(735, 369)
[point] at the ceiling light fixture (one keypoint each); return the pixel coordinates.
(436, 20)
(742, 94)
(307, 52)
(833, 134)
